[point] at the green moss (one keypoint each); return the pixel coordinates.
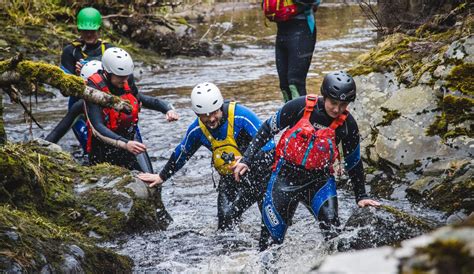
(461, 78)
(452, 197)
(409, 219)
(455, 110)
(389, 116)
(446, 256)
(3, 134)
(51, 74)
(39, 238)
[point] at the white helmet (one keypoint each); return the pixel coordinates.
(117, 61)
(90, 68)
(206, 98)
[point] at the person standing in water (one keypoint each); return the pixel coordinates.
(303, 167)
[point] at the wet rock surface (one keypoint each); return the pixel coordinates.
(42, 214)
(446, 250)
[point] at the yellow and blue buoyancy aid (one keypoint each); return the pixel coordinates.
(223, 151)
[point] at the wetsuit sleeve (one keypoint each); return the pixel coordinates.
(186, 148)
(68, 62)
(100, 131)
(286, 116)
(352, 160)
(247, 119)
(154, 103)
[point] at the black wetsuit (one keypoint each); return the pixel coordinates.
(234, 197)
(292, 184)
(103, 147)
(294, 47)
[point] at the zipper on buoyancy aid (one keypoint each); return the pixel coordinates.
(310, 146)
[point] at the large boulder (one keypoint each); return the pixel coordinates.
(53, 211)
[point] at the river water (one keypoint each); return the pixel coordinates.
(246, 73)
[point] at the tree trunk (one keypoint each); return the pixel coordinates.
(25, 74)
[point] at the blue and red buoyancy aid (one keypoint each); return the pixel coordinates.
(115, 120)
(306, 146)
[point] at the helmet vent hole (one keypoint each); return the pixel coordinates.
(198, 86)
(208, 90)
(339, 79)
(198, 92)
(120, 68)
(119, 56)
(215, 102)
(206, 85)
(335, 87)
(348, 80)
(199, 106)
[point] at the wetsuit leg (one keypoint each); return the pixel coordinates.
(281, 57)
(324, 207)
(143, 159)
(234, 198)
(65, 124)
(293, 62)
(79, 128)
(279, 205)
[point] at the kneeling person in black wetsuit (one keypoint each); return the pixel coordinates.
(226, 129)
(303, 168)
(112, 134)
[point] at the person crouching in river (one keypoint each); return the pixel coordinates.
(226, 129)
(303, 167)
(111, 134)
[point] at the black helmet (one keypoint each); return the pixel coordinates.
(339, 85)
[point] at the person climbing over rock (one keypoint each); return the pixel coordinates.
(305, 155)
(226, 129)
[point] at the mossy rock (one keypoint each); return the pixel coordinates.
(461, 78)
(31, 243)
(40, 202)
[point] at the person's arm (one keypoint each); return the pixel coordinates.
(68, 62)
(352, 160)
(154, 103)
(100, 130)
(183, 151)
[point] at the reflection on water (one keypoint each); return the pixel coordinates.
(246, 73)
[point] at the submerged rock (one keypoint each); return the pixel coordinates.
(371, 227)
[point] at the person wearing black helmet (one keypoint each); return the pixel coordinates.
(304, 163)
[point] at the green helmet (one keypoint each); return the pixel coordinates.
(89, 19)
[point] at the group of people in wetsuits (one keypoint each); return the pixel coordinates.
(252, 168)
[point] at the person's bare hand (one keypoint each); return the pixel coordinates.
(171, 116)
(135, 147)
(151, 179)
(239, 168)
(368, 202)
(78, 67)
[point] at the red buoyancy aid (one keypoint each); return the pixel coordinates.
(279, 10)
(114, 120)
(306, 146)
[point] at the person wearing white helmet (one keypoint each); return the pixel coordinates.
(225, 128)
(90, 68)
(112, 134)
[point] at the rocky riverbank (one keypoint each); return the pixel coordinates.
(53, 211)
(415, 111)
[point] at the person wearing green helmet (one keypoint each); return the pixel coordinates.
(87, 48)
